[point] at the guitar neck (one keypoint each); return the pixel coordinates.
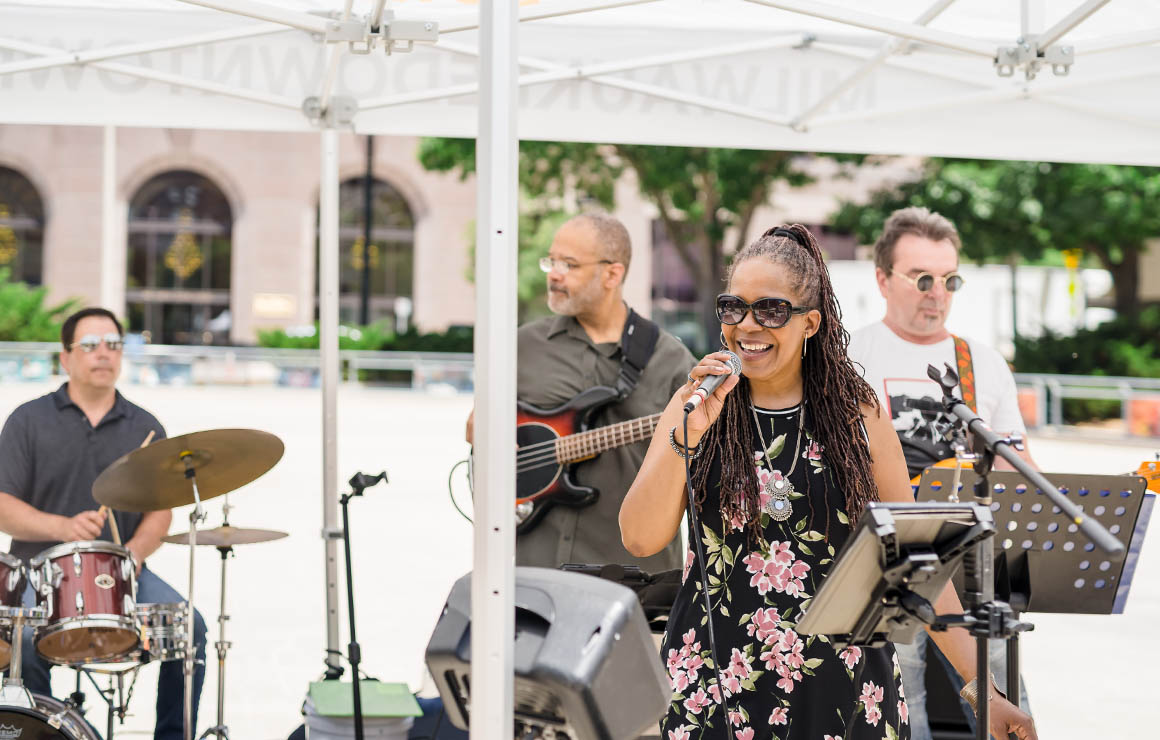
(585, 445)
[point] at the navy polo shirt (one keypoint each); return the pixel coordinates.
(50, 455)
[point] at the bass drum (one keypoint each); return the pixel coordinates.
(38, 723)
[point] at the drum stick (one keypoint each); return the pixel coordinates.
(105, 509)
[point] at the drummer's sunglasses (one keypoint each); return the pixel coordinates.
(89, 342)
(772, 313)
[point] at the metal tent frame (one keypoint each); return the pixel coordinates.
(962, 80)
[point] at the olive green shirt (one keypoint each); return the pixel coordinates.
(557, 361)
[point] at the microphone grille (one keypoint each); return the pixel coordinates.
(734, 363)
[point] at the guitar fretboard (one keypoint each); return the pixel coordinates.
(583, 445)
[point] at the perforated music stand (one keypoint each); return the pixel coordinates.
(884, 581)
(1043, 563)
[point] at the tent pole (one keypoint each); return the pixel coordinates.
(1069, 22)
(888, 49)
(882, 24)
(328, 345)
(493, 574)
(555, 73)
(126, 50)
(540, 14)
(266, 12)
(112, 250)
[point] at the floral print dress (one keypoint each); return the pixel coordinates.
(778, 684)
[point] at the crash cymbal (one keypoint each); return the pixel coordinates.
(153, 478)
(226, 536)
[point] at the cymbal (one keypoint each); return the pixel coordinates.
(153, 478)
(226, 536)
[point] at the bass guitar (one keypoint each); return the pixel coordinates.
(551, 441)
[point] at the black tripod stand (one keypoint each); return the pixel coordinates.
(359, 483)
(984, 617)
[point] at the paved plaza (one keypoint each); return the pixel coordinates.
(1089, 677)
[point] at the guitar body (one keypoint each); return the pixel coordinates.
(541, 481)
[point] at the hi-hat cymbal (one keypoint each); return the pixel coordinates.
(153, 478)
(226, 536)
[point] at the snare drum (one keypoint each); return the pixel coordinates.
(162, 630)
(89, 590)
(11, 595)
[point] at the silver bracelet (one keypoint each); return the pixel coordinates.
(688, 453)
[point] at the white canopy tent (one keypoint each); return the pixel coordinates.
(1059, 80)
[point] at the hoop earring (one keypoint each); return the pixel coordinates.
(721, 339)
(805, 345)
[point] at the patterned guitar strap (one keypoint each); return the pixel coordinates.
(966, 369)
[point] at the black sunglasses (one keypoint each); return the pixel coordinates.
(772, 313)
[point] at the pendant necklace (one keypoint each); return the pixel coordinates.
(779, 507)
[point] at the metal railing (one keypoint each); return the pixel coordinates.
(155, 364)
(1051, 390)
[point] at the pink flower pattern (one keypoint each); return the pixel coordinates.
(758, 594)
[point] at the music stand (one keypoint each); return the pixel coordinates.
(882, 584)
(1042, 562)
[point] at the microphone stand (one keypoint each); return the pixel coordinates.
(359, 483)
(986, 618)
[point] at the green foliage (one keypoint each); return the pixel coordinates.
(701, 194)
(24, 317)
(1126, 346)
(354, 338)
(373, 337)
(1027, 209)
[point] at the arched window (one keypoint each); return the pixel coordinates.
(391, 252)
(21, 228)
(178, 289)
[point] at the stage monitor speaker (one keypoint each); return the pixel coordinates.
(585, 663)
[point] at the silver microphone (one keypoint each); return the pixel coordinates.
(709, 384)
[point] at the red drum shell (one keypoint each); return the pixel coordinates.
(103, 625)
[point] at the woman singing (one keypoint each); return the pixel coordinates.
(784, 459)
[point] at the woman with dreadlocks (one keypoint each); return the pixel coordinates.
(784, 458)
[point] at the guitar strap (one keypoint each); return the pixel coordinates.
(636, 347)
(966, 369)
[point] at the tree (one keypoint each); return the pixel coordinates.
(1004, 209)
(23, 315)
(705, 197)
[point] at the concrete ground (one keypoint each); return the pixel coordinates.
(1087, 676)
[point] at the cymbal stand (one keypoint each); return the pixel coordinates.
(195, 516)
(220, 729)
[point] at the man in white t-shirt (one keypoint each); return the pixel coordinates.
(916, 265)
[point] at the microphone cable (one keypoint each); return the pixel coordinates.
(695, 536)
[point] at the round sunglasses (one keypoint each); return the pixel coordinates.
(924, 281)
(772, 313)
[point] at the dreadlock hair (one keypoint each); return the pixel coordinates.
(833, 391)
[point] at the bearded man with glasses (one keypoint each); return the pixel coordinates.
(916, 265)
(51, 451)
(581, 347)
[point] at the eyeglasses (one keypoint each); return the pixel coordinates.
(89, 342)
(924, 281)
(772, 313)
(547, 264)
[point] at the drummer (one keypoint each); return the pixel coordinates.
(51, 451)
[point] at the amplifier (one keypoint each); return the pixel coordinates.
(585, 663)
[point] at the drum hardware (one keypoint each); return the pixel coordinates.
(116, 697)
(224, 538)
(12, 692)
(183, 470)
